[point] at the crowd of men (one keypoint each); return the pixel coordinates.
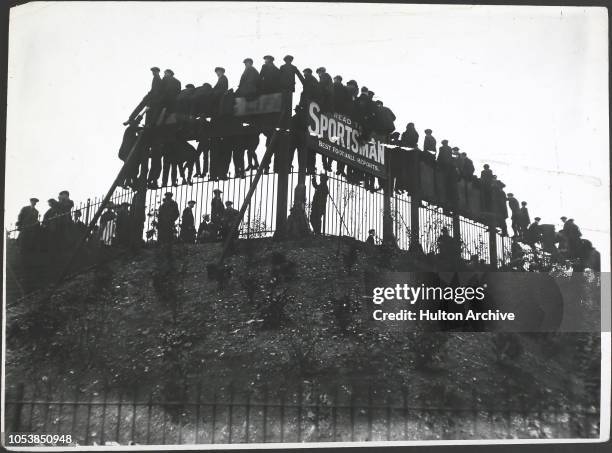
(62, 226)
(212, 156)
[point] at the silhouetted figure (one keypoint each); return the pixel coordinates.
(269, 76)
(122, 234)
(28, 226)
(353, 90)
(363, 111)
(170, 88)
(429, 142)
(229, 217)
(572, 234)
(152, 100)
(319, 202)
(288, 73)
(326, 90)
(249, 81)
(445, 154)
(183, 102)
(237, 149)
(130, 135)
(207, 231)
(533, 234)
(220, 87)
(79, 225)
(486, 178)
(385, 119)
(410, 137)
(202, 100)
(217, 209)
(108, 225)
(251, 142)
(188, 231)
(514, 206)
(499, 204)
(341, 96)
(203, 150)
(168, 213)
(371, 240)
(448, 248)
(467, 167)
(311, 88)
(523, 219)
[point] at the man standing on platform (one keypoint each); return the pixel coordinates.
(151, 100)
(249, 81)
(429, 143)
(513, 204)
(288, 73)
(269, 80)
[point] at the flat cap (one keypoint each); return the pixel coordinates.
(338, 77)
(307, 70)
(321, 69)
(35, 200)
(217, 191)
(537, 218)
(444, 142)
(351, 82)
(155, 69)
(288, 58)
(268, 57)
(248, 60)
(219, 68)
(510, 194)
(191, 202)
(170, 71)
(364, 89)
(564, 218)
(64, 192)
(168, 194)
(189, 85)
(227, 203)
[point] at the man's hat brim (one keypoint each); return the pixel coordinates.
(34, 199)
(155, 69)
(168, 194)
(247, 60)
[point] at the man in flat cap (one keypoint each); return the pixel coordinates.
(514, 206)
(170, 88)
(184, 100)
(467, 167)
(150, 100)
(122, 234)
(249, 81)
(269, 76)
(385, 119)
(326, 90)
(341, 96)
(311, 88)
(533, 234)
(429, 143)
(287, 75)
(220, 87)
(217, 209)
(410, 138)
(319, 202)
(188, 231)
(28, 225)
(230, 216)
(167, 215)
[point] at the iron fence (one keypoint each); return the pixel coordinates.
(299, 413)
(351, 210)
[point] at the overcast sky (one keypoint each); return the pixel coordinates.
(522, 88)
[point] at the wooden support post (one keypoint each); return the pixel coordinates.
(388, 236)
(493, 247)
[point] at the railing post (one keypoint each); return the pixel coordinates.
(87, 211)
(492, 247)
(388, 238)
(456, 228)
(415, 230)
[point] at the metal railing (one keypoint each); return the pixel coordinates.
(298, 413)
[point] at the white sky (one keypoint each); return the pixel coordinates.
(522, 88)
